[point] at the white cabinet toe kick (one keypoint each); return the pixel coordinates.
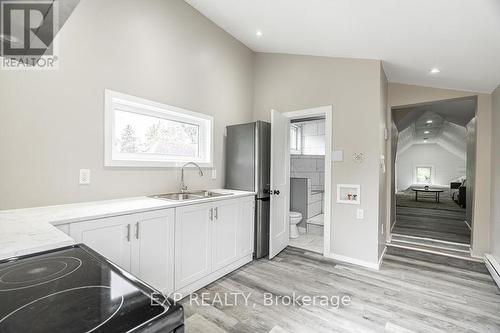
(179, 249)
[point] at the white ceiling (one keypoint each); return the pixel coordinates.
(447, 129)
(461, 37)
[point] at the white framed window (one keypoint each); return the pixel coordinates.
(295, 139)
(424, 174)
(139, 132)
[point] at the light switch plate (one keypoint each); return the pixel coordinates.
(84, 177)
(360, 214)
(337, 155)
(214, 174)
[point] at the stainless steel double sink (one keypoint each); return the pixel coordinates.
(190, 195)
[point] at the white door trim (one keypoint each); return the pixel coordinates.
(326, 111)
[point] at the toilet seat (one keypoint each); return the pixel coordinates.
(295, 215)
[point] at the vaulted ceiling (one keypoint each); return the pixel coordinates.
(442, 123)
(460, 37)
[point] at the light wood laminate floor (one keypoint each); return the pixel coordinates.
(405, 295)
(440, 224)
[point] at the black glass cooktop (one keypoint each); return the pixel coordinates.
(74, 289)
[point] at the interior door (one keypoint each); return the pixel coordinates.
(280, 183)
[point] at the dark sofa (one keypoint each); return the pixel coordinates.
(458, 192)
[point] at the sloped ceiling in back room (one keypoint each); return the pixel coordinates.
(442, 123)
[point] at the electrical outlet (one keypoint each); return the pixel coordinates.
(84, 176)
(360, 214)
(214, 174)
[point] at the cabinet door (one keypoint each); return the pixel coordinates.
(153, 249)
(193, 232)
(110, 237)
(246, 226)
(224, 233)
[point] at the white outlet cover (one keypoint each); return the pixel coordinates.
(360, 214)
(84, 177)
(214, 174)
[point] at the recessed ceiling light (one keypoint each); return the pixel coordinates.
(429, 121)
(259, 33)
(426, 132)
(435, 70)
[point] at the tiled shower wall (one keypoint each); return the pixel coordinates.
(309, 166)
(313, 137)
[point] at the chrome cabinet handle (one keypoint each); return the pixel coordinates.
(137, 230)
(128, 232)
(211, 214)
(216, 213)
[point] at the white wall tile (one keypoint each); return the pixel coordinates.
(314, 141)
(310, 129)
(314, 209)
(314, 151)
(313, 176)
(321, 128)
(303, 165)
(320, 164)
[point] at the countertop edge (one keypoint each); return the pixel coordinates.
(23, 226)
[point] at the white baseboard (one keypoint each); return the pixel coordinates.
(381, 257)
(355, 261)
(191, 288)
(493, 267)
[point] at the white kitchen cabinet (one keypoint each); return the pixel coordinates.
(211, 240)
(109, 237)
(153, 249)
(193, 243)
(177, 249)
(142, 244)
(224, 233)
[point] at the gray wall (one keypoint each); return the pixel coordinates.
(404, 94)
(353, 87)
(51, 123)
(495, 150)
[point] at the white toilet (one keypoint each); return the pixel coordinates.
(295, 218)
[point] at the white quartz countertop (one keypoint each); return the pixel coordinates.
(30, 230)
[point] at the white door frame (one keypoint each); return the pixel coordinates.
(327, 112)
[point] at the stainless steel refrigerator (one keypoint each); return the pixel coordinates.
(248, 168)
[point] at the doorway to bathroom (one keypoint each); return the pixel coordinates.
(307, 183)
(301, 180)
